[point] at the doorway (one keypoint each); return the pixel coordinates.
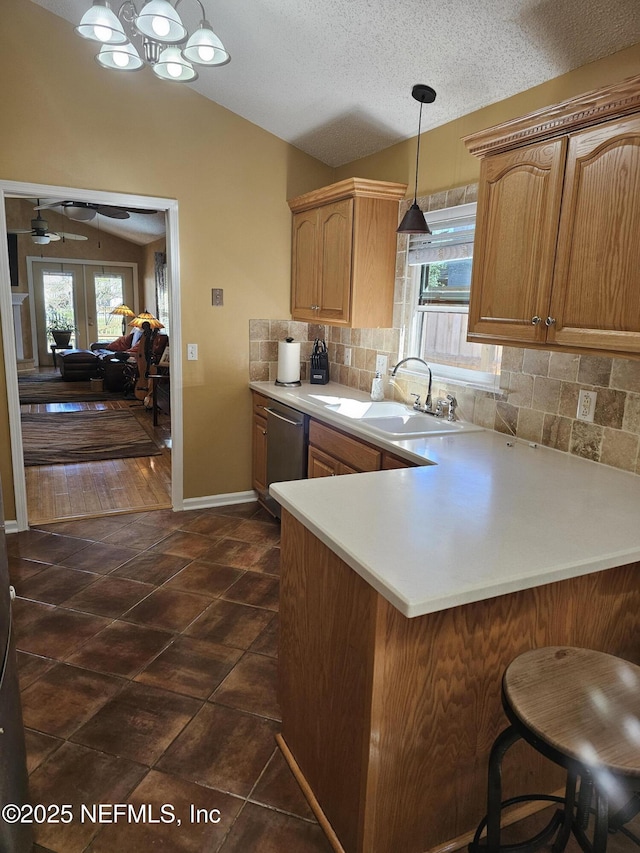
(85, 294)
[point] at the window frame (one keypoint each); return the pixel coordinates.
(412, 326)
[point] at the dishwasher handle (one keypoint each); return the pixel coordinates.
(282, 417)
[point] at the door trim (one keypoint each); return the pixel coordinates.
(170, 207)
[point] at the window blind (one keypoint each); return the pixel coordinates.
(451, 238)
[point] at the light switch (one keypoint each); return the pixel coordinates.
(192, 352)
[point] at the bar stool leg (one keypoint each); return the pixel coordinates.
(567, 820)
(494, 793)
(601, 829)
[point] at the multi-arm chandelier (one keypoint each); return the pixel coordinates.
(154, 36)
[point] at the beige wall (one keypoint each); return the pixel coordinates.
(444, 159)
(68, 122)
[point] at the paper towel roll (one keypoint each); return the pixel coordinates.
(288, 361)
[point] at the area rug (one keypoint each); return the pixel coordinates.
(61, 438)
(51, 388)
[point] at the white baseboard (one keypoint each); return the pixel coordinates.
(11, 526)
(208, 501)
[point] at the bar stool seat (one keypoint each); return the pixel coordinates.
(581, 709)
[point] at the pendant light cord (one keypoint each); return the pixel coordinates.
(415, 194)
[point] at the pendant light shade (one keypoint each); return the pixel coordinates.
(205, 48)
(173, 66)
(99, 23)
(414, 222)
(119, 57)
(159, 20)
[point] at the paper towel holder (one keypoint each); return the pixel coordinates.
(294, 383)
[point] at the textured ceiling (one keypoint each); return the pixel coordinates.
(334, 78)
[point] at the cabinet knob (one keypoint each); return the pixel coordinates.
(550, 321)
(536, 320)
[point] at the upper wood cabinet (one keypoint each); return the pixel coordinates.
(557, 254)
(344, 253)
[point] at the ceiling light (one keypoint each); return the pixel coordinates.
(99, 23)
(173, 66)
(120, 57)
(413, 222)
(79, 212)
(41, 239)
(153, 36)
(205, 48)
(158, 20)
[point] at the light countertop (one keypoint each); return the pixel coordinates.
(493, 515)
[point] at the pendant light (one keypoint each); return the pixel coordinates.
(413, 222)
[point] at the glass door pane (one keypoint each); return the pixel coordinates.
(59, 305)
(55, 292)
(106, 288)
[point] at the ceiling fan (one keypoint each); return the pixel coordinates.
(83, 211)
(40, 232)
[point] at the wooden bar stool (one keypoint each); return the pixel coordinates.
(580, 709)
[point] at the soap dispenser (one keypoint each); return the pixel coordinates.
(377, 388)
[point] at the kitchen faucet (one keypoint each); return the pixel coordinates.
(427, 404)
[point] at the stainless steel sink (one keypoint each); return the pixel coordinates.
(418, 426)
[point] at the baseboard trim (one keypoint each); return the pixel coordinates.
(208, 501)
(11, 526)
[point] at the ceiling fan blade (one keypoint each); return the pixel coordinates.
(67, 236)
(18, 230)
(50, 204)
(112, 212)
(52, 236)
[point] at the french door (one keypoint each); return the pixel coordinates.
(83, 295)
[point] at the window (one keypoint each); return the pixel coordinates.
(439, 273)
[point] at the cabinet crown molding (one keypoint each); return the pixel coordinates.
(593, 107)
(349, 188)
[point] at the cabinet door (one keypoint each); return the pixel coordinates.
(597, 278)
(517, 226)
(304, 266)
(259, 454)
(320, 464)
(335, 234)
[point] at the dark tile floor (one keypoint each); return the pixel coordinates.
(147, 651)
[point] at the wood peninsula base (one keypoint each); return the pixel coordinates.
(389, 721)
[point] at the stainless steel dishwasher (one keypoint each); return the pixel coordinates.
(287, 440)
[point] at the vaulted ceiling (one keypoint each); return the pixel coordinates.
(334, 78)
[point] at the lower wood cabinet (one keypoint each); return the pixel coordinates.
(332, 453)
(389, 462)
(259, 443)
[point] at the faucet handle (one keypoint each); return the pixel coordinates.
(416, 404)
(453, 405)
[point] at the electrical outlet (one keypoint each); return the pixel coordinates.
(586, 405)
(192, 352)
(381, 364)
(217, 296)
(347, 357)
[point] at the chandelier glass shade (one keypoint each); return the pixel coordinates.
(154, 36)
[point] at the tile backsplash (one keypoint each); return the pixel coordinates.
(536, 392)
